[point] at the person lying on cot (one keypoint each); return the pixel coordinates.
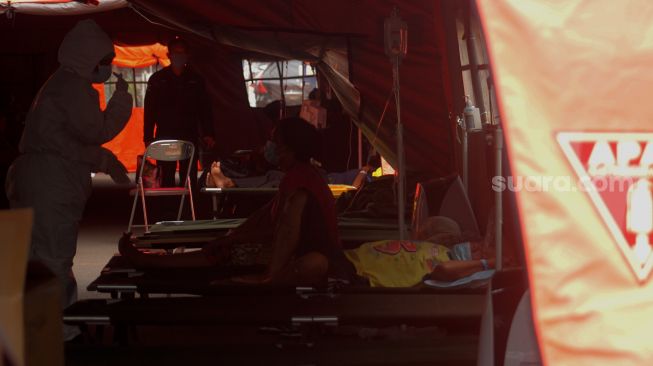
(217, 179)
(355, 177)
(297, 229)
(438, 252)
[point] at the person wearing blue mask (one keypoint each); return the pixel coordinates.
(62, 144)
(177, 104)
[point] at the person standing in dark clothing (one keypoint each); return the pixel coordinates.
(176, 103)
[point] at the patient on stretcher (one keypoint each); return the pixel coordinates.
(272, 178)
(439, 252)
(295, 234)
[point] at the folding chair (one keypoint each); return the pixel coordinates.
(164, 150)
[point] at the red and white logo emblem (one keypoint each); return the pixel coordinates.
(616, 170)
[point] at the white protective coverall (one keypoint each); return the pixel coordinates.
(61, 146)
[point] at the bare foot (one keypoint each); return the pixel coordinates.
(218, 179)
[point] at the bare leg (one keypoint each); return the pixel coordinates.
(283, 268)
(183, 260)
(287, 234)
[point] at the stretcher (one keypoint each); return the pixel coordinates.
(255, 347)
(293, 328)
(119, 279)
(194, 234)
(200, 298)
(378, 309)
(220, 195)
(301, 318)
(298, 316)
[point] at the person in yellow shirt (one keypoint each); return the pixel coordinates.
(440, 254)
(395, 263)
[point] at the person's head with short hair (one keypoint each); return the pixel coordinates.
(296, 141)
(178, 54)
(440, 230)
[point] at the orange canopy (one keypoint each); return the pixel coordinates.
(141, 56)
(573, 81)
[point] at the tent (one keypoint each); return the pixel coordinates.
(570, 76)
(573, 78)
(344, 40)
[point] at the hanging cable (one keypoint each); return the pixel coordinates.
(385, 108)
(135, 9)
(351, 130)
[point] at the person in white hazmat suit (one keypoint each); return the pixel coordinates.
(61, 146)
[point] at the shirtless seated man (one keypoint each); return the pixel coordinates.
(297, 228)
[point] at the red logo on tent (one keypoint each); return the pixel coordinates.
(616, 170)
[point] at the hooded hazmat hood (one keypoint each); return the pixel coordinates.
(83, 48)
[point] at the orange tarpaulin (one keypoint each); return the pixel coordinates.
(141, 56)
(573, 81)
(129, 143)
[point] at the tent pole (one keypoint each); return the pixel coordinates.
(360, 149)
(498, 222)
(400, 155)
(465, 157)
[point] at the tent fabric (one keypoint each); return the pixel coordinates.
(58, 7)
(129, 142)
(576, 66)
(361, 75)
(425, 121)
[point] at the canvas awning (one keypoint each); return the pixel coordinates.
(59, 7)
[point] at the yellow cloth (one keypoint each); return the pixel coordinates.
(395, 263)
(339, 189)
(378, 173)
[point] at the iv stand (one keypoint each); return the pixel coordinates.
(498, 200)
(400, 153)
(396, 34)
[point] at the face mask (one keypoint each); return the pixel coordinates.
(270, 153)
(178, 60)
(462, 251)
(101, 74)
